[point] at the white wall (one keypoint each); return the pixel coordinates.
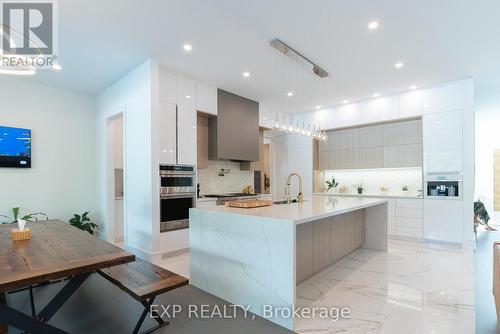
(131, 95)
(61, 180)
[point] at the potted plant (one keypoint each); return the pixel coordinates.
(405, 189)
(359, 187)
(332, 184)
(28, 217)
(83, 222)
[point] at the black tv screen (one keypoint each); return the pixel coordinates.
(15, 147)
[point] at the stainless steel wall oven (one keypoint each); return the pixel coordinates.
(177, 196)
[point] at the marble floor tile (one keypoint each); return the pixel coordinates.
(178, 264)
(414, 288)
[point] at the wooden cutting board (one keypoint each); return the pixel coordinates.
(249, 203)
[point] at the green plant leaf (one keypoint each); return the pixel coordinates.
(27, 217)
(15, 212)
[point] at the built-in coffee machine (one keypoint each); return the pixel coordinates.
(443, 185)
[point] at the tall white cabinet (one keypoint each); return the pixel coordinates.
(443, 220)
(448, 128)
(442, 137)
(186, 121)
(167, 127)
(180, 98)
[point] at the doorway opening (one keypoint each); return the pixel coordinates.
(116, 183)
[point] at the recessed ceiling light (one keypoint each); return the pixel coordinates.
(399, 65)
(345, 101)
(57, 67)
(413, 87)
(289, 94)
(188, 96)
(376, 95)
(245, 74)
(318, 107)
(373, 25)
(188, 47)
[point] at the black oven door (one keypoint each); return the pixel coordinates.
(174, 184)
(177, 181)
(174, 211)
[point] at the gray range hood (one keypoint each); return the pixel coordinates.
(234, 133)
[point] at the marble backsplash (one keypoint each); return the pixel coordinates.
(234, 181)
(373, 179)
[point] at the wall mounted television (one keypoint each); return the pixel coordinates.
(15, 147)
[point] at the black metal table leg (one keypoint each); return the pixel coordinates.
(14, 318)
(62, 296)
(147, 308)
(32, 302)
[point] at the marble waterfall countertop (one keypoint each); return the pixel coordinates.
(311, 209)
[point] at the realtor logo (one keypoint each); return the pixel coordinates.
(29, 33)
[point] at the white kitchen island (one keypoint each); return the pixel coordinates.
(256, 257)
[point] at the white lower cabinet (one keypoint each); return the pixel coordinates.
(443, 220)
(409, 218)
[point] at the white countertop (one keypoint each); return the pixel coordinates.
(316, 208)
(369, 195)
(206, 199)
(214, 199)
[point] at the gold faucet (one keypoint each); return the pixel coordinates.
(288, 196)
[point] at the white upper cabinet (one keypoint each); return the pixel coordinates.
(349, 115)
(206, 98)
(166, 132)
(266, 117)
(442, 98)
(442, 135)
(410, 104)
(388, 107)
(369, 111)
(186, 119)
(167, 86)
(333, 118)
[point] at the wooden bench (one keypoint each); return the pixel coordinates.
(143, 281)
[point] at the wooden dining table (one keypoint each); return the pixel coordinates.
(56, 250)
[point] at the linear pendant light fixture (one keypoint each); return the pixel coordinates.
(312, 71)
(289, 52)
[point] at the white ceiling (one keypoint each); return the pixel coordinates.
(438, 40)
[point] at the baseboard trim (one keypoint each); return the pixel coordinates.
(398, 237)
(174, 253)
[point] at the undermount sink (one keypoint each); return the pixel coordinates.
(284, 201)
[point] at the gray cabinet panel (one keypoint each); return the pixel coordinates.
(403, 133)
(379, 146)
(371, 136)
(403, 156)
